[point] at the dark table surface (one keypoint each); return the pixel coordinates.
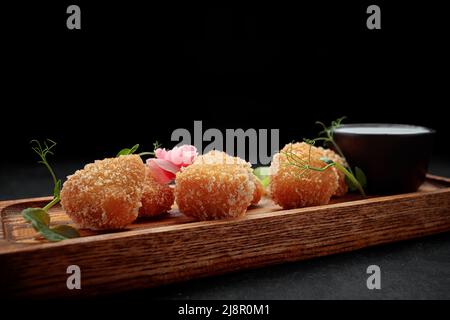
(414, 269)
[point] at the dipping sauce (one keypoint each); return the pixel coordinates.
(394, 157)
(382, 129)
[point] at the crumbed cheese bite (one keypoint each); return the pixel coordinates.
(157, 198)
(220, 157)
(294, 187)
(215, 186)
(105, 194)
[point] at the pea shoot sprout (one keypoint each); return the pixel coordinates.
(39, 217)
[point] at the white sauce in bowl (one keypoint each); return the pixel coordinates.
(382, 129)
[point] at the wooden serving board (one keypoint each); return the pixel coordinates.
(173, 248)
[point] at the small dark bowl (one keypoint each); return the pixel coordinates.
(394, 157)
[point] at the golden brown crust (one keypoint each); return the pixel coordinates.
(213, 191)
(216, 186)
(105, 194)
(290, 187)
(220, 157)
(157, 198)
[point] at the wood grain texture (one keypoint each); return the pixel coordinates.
(174, 248)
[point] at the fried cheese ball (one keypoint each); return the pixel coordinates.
(333, 156)
(294, 187)
(157, 198)
(105, 194)
(220, 157)
(215, 186)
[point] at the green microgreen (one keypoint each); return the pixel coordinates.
(133, 149)
(39, 217)
(42, 151)
(128, 151)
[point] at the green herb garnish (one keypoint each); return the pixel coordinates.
(133, 149)
(128, 151)
(39, 217)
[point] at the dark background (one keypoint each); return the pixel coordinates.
(136, 72)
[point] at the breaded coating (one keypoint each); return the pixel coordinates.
(215, 186)
(220, 157)
(105, 194)
(157, 198)
(342, 185)
(294, 187)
